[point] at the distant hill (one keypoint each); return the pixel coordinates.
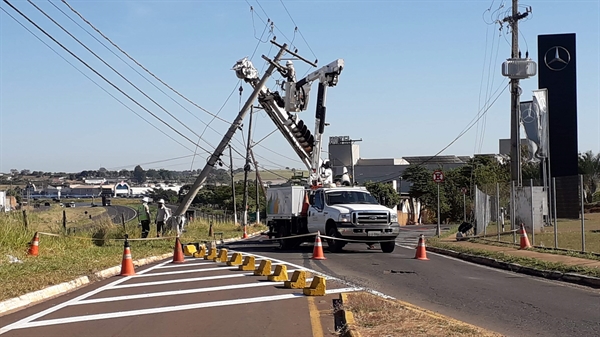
(269, 175)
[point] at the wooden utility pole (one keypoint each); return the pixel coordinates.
(247, 167)
(235, 220)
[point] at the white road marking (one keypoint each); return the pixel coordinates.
(224, 267)
(194, 279)
(19, 324)
(140, 312)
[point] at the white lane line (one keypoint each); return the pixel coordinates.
(194, 279)
(19, 324)
(224, 267)
(171, 309)
(182, 292)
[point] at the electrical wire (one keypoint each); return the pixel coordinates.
(96, 72)
(96, 83)
(114, 70)
(297, 29)
(141, 66)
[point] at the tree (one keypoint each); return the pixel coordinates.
(384, 193)
(139, 174)
(124, 173)
(589, 167)
(169, 196)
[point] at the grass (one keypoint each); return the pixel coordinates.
(377, 317)
(569, 234)
(524, 261)
(64, 258)
(270, 175)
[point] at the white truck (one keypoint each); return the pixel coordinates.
(338, 212)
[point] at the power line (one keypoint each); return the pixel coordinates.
(95, 71)
(114, 70)
(297, 29)
(96, 83)
(141, 66)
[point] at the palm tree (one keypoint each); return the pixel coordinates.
(589, 167)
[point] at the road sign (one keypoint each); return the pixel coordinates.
(438, 176)
(463, 190)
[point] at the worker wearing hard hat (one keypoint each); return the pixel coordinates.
(144, 217)
(162, 215)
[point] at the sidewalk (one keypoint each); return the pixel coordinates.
(514, 251)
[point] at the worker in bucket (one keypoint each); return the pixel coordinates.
(144, 217)
(162, 215)
(326, 173)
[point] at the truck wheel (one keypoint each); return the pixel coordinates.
(335, 246)
(387, 247)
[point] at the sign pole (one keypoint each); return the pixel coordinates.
(438, 210)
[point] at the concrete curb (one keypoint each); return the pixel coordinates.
(349, 329)
(589, 281)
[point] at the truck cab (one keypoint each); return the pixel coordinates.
(352, 213)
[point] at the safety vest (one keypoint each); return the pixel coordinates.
(142, 214)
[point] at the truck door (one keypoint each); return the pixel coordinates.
(316, 214)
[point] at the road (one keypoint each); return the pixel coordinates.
(197, 298)
(505, 302)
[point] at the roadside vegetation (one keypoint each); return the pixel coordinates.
(65, 257)
(376, 317)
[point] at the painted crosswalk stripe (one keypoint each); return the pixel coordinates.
(181, 292)
(193, 279)
(199, 270)
(193, 306)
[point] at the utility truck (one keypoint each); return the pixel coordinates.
(339, 212)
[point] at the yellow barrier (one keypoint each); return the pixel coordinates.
(249, 262)
(235, 260)
(264, 269)
(280, 274)
(222, 256)
(189, 250)
(317, 287)
(211, 254)
(298, 280)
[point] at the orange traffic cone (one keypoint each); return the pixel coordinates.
(245, 236)
(33, 245)
(127, 264)
(421, 251)
(178, 252)
(524, 239)
(318, 250)
(305, 204)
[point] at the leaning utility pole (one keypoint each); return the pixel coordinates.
(515, 118)
(237, 123)
(247, 168)
(232, 185)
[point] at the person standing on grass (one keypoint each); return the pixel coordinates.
(144, 217)
(162, 215)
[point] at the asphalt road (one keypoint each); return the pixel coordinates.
(505, 302)
(197, 298)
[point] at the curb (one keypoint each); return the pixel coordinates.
(588, 281)
(17, 303)
(349, 329)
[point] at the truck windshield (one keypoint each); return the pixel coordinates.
(349, 197)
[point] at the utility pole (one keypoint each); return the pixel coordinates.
(516, 69)
(247, 168)
(215, 157)
(235, 220)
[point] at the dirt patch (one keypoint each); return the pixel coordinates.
(376, 317)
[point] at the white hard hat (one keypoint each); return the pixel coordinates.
(289, 63)
(161, 201)
(145, 199)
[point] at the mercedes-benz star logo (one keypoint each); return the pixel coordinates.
(557, 58)
(528, 116)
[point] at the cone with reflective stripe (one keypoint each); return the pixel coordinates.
(318, 250)
(34, 245)
(178, 252)
(245, 233)
(524, 239)
(421, 251)
(127, 264)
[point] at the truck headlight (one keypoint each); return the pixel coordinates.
(393, 217)
(344, 217)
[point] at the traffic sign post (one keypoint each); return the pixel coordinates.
(438, 177)
(464, 192)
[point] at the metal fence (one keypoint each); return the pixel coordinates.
(554, 216)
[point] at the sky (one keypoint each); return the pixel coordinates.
(416, 74)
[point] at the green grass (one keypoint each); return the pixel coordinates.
(270, 175)
(524, 261)
(64, 258)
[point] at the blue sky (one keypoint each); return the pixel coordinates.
(416, 73)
